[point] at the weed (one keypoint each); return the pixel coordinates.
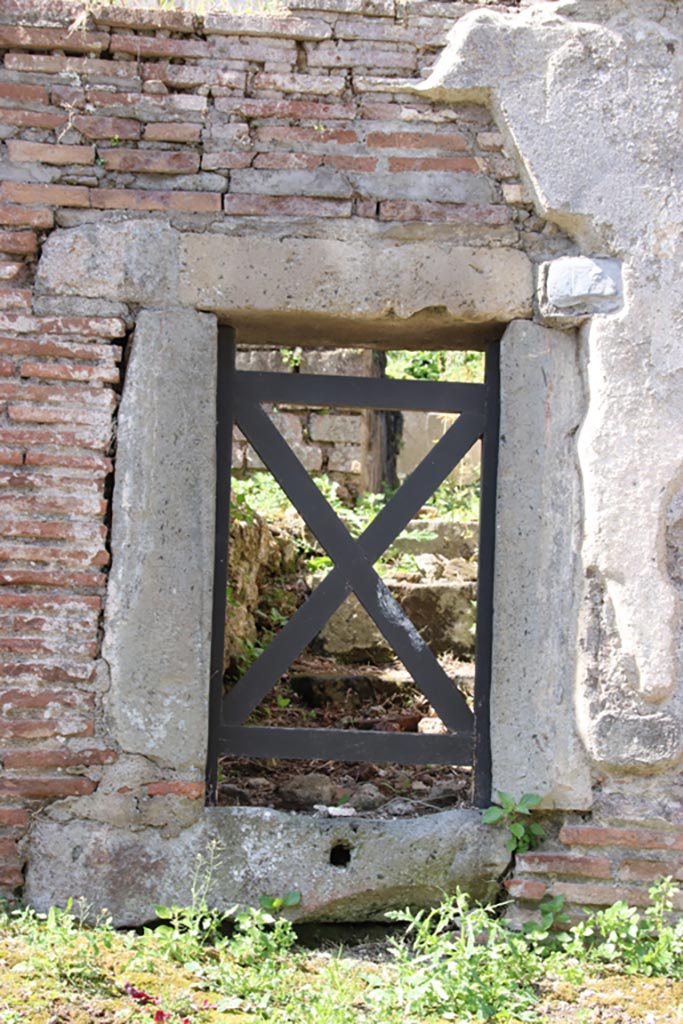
(524, 834)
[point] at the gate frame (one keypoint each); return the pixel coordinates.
(470, 740)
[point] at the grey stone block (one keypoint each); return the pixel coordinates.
(158, 608)
(392, 863)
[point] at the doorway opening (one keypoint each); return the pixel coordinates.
(356, 575)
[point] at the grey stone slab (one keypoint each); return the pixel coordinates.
(158, 608)
(265, 852)
(424, 186)
(538, 570)
(245, 277)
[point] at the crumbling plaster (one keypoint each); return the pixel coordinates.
(588, 95)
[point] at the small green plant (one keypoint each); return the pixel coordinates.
(292, 358)
(461, 962)
(275, 904)
(524, 834)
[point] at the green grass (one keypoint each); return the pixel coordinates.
(458, 962)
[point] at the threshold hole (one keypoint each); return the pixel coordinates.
(340, 855)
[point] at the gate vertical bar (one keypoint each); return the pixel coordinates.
(485, 610)
(225, 416)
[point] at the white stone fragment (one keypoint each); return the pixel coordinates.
(591, 285)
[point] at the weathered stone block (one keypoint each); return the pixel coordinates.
(636, 742)
(339, 427)
(158, 609)
(538, 574)
(392, 864)
(579, 286)
(135, 261)
(345, 458)
(350, 280)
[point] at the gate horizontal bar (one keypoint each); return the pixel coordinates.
(361, 392)
(346, 745)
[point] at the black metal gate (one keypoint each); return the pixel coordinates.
(240, 395)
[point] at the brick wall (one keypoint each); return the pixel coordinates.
(337, 444)
(234, 123)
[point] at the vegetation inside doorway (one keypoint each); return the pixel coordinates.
(348, 677)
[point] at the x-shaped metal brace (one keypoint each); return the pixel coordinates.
(353, 566)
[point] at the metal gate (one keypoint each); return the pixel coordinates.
(240, 398)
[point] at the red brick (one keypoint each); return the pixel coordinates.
(318, 85)
(650, 870)
(168, 132)
(46, 759)
(433, 163)
(96, 127)
(635, 838)
(80, 326)
(48, 347)
(526, 889)
(139, 20)
(47, 602)
(55, 394)
(286, 135)
(151, 161)
(226, 161)
(11, 878)
(59, 556)
(33, 118)
(45, 789)
(72, 371)
(285, 206)
(18, 243)
(11, 456)
(43, 699)
(35, 671)
(30, 38)
(158, 46)
(33, 729)
(41, 530)
(52, 64)
(16, 298)
(191, 790)
(604, 895)
(451, 213)
(149, 199)
(342, 162)
(30, 217)
(57, 195)
(366, 208)
(190, 76)
(20, 150)
(281, 161)
(83, 438)
(99, 463)
(565, 864)
(7, 368)
(8, 849)
(449, 140)
(33, 413)
(287, 109)
(50, 578)
(22, 92)
(13, 817)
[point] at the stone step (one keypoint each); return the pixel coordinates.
(442, 610)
